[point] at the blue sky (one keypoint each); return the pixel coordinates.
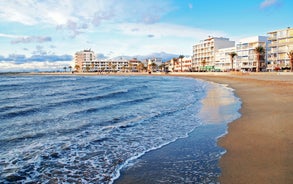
(45, 34)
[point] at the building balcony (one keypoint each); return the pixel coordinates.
(272, 38)
(273, 44)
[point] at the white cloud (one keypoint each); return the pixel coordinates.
(3, 35)
(57, 17)
(268, 3)
(30, 39)
(112, 27)
(12, 14)
(55, 12)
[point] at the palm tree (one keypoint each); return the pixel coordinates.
(113, 67)
(153, 65)
(140, 67)
(87, 68)
(109, 65)
(181, 57)
(162, 67)
(70, 68)
(123, 68)
(259, 51)
(65, 68)
(77, 67)
(130, 65)
(232, 55)
(290, 55)
(174, 61)
(102, 69)
(92, 66)
(203, 63)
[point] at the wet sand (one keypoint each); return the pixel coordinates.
(260, 144)
(193, 159)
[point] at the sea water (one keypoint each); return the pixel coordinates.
(78, 129)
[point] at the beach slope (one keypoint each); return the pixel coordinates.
(259, 144)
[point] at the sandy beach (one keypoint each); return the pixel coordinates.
(260, 144)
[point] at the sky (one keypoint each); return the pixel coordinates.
(45, 34)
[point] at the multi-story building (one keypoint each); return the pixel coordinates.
(184, 65)
(281, 42)
(154, 64)
(134, 65)
(246, 58)
(109, 65)
(170, 65)
(223, 59)
(204, 52)
(84, 59)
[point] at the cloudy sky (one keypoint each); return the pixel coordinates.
(45, 34)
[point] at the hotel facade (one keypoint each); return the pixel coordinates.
(85, 61)
(84, 58)
(246, 59)
(213, 55)
(281, 43)
(184, 65)
(203, 57)
(223, 59)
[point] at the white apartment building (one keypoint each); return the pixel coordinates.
(204, 52)
(185, 65)
(153, 62)
(85, 61)
(109, 65)
(170, 65)
(134, 65)
(84, 58)
(246, 58)
(223, 59)
(281, 44)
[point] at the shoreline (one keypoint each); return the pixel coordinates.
(194, 158)
(259, 144)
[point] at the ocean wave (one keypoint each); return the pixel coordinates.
(22, 112)
(89, 127)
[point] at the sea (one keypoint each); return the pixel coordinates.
(86, 129)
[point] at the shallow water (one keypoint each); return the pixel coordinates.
(192, 159)
(84, 129)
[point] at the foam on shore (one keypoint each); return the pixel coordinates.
(194, 158)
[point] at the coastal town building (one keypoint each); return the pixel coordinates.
(211, 54)
(203, 57)
(223, 59)
(153, 64)
(84, 59)
(135, 65)
(281, 43)
(246, 59)
(185, 65)
(110, 65)
(170, 65)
